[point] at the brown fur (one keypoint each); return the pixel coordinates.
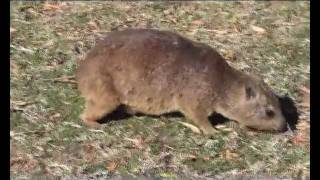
(156, 72)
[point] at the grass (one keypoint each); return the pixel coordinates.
(48, 139)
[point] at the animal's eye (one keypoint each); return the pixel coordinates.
(250, 93)
(270, 113)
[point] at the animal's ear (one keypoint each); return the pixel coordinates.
(250, 92)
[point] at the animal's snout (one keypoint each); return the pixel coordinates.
(283, 127)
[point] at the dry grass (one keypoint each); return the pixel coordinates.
(48, 140)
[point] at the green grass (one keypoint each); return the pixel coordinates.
(46, 132)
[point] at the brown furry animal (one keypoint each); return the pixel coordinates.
(156, 72)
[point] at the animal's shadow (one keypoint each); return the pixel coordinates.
(288, 108)
(121, 113)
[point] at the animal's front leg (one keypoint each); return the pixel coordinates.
(200, 119)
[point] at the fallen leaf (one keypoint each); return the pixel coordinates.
(298, 139)
(192, 32)
(169, 147)
(231, 55)
(20, 103)
(166, 175)
(62, 166)
(220, 32)
(227, 129)
(230, 155)
(172, 19)
(191, 157)
(280, 23)
(206, 158)
(30, 14)
(305, 97)
(48, 6)
(236, 28)
(220, 126)
(198, 22)
(25, 164)
(72, 124)
(97, 131)
(305, 89)
(138, 142)
(58, 33)
(166, 12)
(305, 102)
(192, 127)
(14, 68)
(29, 51)
(66, 79)
(257, 29)
(129, 20)
(48, 43)
(93, 25)
(55, 116)
(111, 166)
(12, 30)
(303, 125)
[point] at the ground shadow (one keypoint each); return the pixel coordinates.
(289, 111)
(118, 114)
(122, 113)
(217, 118)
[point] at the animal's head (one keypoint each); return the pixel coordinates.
(255, 105)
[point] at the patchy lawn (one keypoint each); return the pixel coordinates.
(47, 139)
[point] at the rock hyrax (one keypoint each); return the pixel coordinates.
(155, 72)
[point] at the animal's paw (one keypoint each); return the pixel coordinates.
(90, 122)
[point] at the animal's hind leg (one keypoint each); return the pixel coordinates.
(100, 101)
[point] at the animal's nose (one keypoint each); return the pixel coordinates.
(283, 127)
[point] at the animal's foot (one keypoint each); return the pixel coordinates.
(90, 122)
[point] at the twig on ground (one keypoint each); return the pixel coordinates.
(192, 127)
(63, 79)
